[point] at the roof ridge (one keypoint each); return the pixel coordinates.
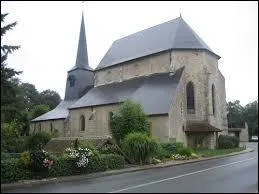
(145, 29)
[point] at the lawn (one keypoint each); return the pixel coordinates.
(216, 152)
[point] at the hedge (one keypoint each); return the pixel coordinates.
(227, 142)
(170, 148)
(114, 161)
(12, 170)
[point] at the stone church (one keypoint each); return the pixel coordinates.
(166, 68)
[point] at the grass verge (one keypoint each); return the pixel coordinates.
(216, 152)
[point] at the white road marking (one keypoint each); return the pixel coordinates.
(171, 178)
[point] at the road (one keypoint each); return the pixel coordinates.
(234, 174)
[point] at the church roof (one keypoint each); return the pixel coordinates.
(60, 112)
(175, 34)
(155, 93)
(82, 55)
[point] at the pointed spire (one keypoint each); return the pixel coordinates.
(82, 54)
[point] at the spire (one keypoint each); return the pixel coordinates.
(82, 55)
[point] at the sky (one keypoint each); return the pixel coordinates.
(48, 33)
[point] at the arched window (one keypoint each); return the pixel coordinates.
(51, 127)
(82, 122)
(40, 127)
(190, 98)
(213, 98)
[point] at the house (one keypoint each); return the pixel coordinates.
(167, 68)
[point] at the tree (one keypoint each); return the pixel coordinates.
(235, 114)
(9, 81)
(31, 96)
(251, 117)
(50, 98)
(130, 118)
(38, 110)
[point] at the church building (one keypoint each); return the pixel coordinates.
(166, 68)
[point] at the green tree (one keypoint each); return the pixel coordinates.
(235, 114)
(50, 98)
(130, 118)
(38, 110)
(250, 115)
(10, 102)
(30, 94)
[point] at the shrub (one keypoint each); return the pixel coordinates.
(171, 148)
(130, 118)
(79, 155)
(12, 170)
(227, 142)
(25, 159)
(113, 161)
(41, 162)
(179, 157)
(61, 167)
(185, 152)
(87, 144)
(38, 140)
(139, 147)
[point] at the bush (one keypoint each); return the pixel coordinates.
(139, 148)
(25, 159)
(12, 170)
(130, 118)
(113, 161)
(41, 163)
(61, 167)
(185, 152)
(38, 140)
(87, 144)
(227, 142)
(171, 148)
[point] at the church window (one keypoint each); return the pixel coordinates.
(51, 127)
(190, 98)
(40, 127)
(213, 98)
(82, 122)
(71, 79)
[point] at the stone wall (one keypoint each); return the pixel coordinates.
(98, 125)
(159, 127)
(244, 136)
(46, 126)
(140, 67)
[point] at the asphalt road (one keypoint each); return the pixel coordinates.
(234, 174)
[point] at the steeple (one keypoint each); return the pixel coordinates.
(80, 79)
(82, 55)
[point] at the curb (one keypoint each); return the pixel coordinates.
(30, 183)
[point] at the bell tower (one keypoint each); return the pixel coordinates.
(80, 78)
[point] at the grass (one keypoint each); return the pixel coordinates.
(216, 152)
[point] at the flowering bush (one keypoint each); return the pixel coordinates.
(179, 157)
(41, 160)
(80, 155)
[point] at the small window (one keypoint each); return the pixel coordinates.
(40, 127)
(51, 127)
(213, 98)
(82, 123)
(71, 79)
(111, 115)
(190, 98)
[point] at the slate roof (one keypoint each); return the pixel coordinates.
(175, 34)
(155, 92)
(60, 112)
(82, 55)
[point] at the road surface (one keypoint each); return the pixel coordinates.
(235, 174)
